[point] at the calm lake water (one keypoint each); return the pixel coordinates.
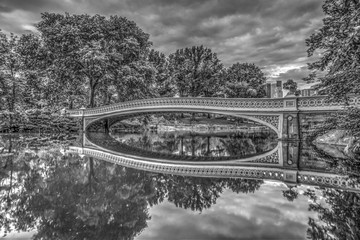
(50, 191)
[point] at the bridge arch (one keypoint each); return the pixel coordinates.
(273, 121)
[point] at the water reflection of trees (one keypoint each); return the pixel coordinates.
(69, 197)
(193, 144)
(325, 160)
(339, 217)
(338, 212)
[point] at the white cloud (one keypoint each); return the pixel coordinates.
(264, 214)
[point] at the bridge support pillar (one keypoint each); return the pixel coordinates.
(291, 126)
(290, 154)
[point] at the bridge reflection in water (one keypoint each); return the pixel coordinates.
(284, 163)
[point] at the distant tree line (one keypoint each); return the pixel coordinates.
(81, 60)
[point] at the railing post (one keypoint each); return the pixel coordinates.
(291, 104)
(291, 126)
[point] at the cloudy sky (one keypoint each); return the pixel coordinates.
(265, 214)
(270, 34)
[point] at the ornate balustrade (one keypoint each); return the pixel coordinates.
(182, 168)
(331, 180)
(221, 103)
(318, 102)
(224, 171)
(230, 104)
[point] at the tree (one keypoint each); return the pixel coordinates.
(16, 62)
(165, 86)
(244, 80)
(195, 72)
(338, 42)
(73, 197)
(69, 197)
(11, 81)
(104, 52)
(311, 78)
(290, 85)
(339, 218)
(290, 194)
(41, 89)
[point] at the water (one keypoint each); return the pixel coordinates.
(51, 190)
(185, 143)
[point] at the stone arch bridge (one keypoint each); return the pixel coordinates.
(288, 117)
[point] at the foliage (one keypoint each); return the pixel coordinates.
(290, 85)
(311, 78)
(290, 194)
(106, 53)
(244, 80)
(195, 72)
(339, 217)
(165, 86)
(78, 61)
(11, 79)
(73, 197)
(344, 120)
(338, 42)
(22, 81)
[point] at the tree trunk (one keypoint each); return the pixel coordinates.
(106, 125)
(105, 98)
(71, 104)
(92, 97)
(93, 84)
(12, 106)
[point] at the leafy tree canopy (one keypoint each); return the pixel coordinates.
(338, 42)
(244, 80)
(195, 71)
(104, 52)
(290, 85)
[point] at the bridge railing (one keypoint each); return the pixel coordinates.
(305, 103)
(322, 179)
(246, 104)
(229, 103)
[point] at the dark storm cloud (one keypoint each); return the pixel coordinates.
(29, 5)
(270, 34)
(4, 8)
